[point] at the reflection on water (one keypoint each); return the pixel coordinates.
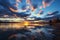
(39, 33)
(11, 25)
(17, 25)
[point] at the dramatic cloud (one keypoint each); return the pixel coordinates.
(24, 8)
(10, 7)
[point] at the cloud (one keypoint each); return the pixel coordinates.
(53, 13)
(11, 10)
(5, 9)
(47, 3)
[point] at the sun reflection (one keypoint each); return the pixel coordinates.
(26, 23)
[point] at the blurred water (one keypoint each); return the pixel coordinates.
(39, 32)
(17, 25)
(10, 25)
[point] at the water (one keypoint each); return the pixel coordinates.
(16, 25)
(40, 32)
(11, 25)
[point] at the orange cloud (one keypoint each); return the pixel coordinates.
(13, 10)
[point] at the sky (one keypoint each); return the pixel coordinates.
(31, 8)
